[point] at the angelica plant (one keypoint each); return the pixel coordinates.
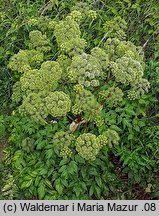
(39, 87)
(78, 98)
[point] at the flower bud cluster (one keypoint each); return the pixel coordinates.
(62, 141)
(39, 41)
(92, 14)
(87, 69)
(67, 33)
(66, 152)
(58, 103)
(45, 78)
(98, 119)
(132, 94)
(40, 105)
(127, 70)
(24, 60)
(76, 15)
(52, 24)
(103, 140)
(117, 49)
(88, 146)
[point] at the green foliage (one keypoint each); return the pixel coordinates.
(116, 28)
(2, 125)
(114, 96)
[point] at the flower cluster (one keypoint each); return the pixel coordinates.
(41, 23)
(67, 33)
(127, 70)
(39, 41)
(116, 48)
(110, 137)
(43, 79)
(58, 103)
(34, 105)
(40, 105)
(51, 25)
(63, 141)
(88, 146)
(138, 89)
(127, 65)
(62, 138)
(25, 60)
(142, 86)
(88, 69)
(84, 9)
(17, 92)
(102, 57)
(64, 62)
